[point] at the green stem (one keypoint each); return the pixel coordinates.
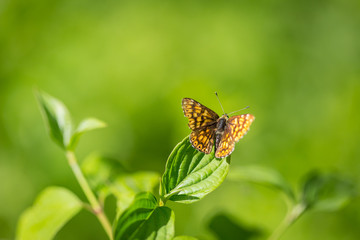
(162, 202)
(95, 205)
(290, 218)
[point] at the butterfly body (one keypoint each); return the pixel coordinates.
(208, 129)
(220, 128)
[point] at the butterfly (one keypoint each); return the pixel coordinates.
(208, 129)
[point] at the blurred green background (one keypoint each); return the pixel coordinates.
(129, 63)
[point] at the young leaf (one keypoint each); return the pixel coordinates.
(54, 207)
(327, 192)
(108, 176)
(264, 176)
(100, 170)
(57, 118)
(145, 220)
(190, 175)
(85, 126)
(125, 187)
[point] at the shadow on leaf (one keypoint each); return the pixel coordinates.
(225, 229)
(183, 197)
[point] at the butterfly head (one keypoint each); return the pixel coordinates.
(225, 116)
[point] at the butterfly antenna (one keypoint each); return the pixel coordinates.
(239, 110)
(219, 102)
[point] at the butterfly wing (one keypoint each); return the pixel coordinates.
(203, 139)
(199, 116)
(202, 122)
(236, 128)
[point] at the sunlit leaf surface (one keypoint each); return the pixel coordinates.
(57, 118)
(144, 219)
(190, 175)
(54, 207)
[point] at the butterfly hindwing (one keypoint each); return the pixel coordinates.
(203, 139)
(236, 128)
(199, 116)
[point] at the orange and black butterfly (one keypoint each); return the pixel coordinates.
(208, 128)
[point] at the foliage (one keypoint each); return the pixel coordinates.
(327, 192)
(144, 219)
(59, 123)
(54, 207)
(319, 191)
(189, 176)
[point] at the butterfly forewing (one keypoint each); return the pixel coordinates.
(203, 139)
(236, 128)
(199, 116)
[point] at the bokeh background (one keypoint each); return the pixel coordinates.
(129, 63)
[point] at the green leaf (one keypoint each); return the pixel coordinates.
(190, 175)
(184, 238)
(263, 176)
(57, 118)
(145, 220)
(100, 171)
(109, 176)
(85, 126)
(125, 187)
(54, 207)
(327, 192)
(59, 123)
(225, 226)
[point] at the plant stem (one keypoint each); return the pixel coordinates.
(290, 218)
(95, 205)
(162, 202)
